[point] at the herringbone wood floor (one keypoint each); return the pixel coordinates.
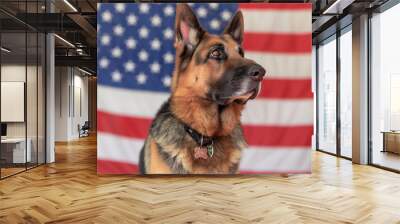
(69, 191)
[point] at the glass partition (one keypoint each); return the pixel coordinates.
(345, 93)
(327, 96)
(385, 89)
(22, 101)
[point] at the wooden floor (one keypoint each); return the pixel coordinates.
(69, 191)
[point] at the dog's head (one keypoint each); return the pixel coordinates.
(213, 67)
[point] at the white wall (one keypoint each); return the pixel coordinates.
(71, 93)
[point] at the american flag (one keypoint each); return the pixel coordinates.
(136, 59)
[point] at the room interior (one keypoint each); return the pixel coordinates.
(50, 84)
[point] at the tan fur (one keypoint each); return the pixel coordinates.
(157, 164)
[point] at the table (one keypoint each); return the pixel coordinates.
(391, 141)
(15, 148)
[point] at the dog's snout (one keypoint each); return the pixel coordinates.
(256, 72)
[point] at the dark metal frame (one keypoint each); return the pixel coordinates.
(44, 79)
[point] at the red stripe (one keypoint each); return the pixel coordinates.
(123, 125)
(278, 42)
(115, 167)
(286, 89)
(255, 135)
(278, 136)
(281, 6)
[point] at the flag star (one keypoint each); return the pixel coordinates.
(202, 12)
(143, 32)
(156, 20)
(118, 30)
(168, 57)
(144, 7)
(116, 52)
(215, 24)
(131, 19)
(105, 39)
(143, 55)
(98, 27)
(129, 66)
(116, 76)
(155, 44)
(141, 78)
(213, 5)
(130, 43)
(226, 15)
(106, 16)
(168, 33)
(104, 62)
(155, 67)
(120, 7)
(166, 81)
(169, 10)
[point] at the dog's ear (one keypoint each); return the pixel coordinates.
(188, 29)
(235, 27)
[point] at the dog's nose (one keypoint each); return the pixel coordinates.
(256, 72)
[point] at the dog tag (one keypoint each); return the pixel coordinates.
(210, 150)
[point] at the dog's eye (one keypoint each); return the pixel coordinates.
(218, 54)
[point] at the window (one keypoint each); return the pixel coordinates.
(327, 96)
(345, 93)
(385, 89)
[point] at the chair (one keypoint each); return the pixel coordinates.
(84, 130)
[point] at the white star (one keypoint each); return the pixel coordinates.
(213, 5)
(143, 55)
(116, 52)
(141, 78)
(105, 39)
(202, 12)
(98, 27)
(129, 66)
(116, 76)
(131, 19)
(155, 44)
(130, 43)
(215, 24)
(156, 20)
(168, 33)
(120, 7)
(168, 57)
(155, 67)
(106, 16)
(143, 32)
(144, 7)
(166, 81)
(169, 10)
(119, 30)
(104, 62)
(226, 15)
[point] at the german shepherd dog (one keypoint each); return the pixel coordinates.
(198, 131)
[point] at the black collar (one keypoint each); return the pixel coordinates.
(201, 140)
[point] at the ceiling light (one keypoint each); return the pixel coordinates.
(65, 41)
(84, 71)
(5, 50)
(337, 7)
(70, 5)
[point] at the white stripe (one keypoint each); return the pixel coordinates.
(280, 65)
(277, 21)
(278, 112)
(276, 159)
(117, 148)
(260, 111)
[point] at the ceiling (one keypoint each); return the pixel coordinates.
(75, 21)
